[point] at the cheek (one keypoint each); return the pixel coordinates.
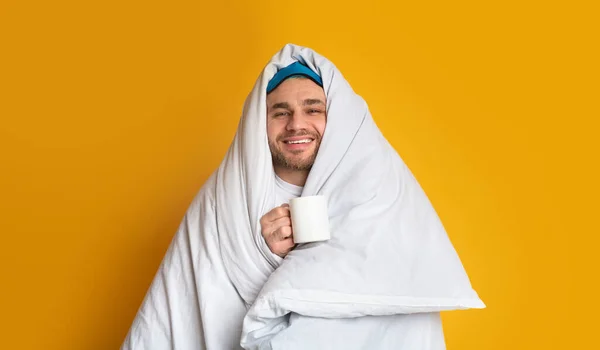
(320, 126)
(273, 129)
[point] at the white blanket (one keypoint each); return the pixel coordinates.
(379, 283)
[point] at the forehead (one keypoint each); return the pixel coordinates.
(295, 90)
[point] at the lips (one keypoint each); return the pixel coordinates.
(298, 141)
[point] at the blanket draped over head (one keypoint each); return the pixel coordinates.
(378, 283)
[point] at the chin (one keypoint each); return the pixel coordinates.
(300, 163)
(301, 157)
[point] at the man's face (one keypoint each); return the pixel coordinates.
(296, 119)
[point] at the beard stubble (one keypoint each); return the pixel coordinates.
(292, 162)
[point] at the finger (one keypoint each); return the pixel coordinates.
(282, 233)
(277, 213)
(288, 245)
(284, 246)
(269, 227)
(281, 222)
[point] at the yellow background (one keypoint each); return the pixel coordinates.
(114, 113)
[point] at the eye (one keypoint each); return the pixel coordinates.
(279, 114)
(314, 111)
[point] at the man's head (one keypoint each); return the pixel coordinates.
(296, 118)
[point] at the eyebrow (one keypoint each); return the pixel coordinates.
(283, 105)
(307, 102)
(312, 101)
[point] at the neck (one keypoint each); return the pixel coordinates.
(294, 177)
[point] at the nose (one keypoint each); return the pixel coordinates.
(296, 122)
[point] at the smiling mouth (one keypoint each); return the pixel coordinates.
(295, 142)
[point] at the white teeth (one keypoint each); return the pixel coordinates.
(300, 141)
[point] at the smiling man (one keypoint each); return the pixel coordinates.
(378, 283)
(296, 119)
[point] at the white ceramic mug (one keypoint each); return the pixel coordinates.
(310, 219)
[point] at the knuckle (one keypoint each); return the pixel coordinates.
(281, 211)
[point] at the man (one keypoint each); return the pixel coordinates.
(233, 277)
(296, 118)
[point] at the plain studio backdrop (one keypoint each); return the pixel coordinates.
(114, 113)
